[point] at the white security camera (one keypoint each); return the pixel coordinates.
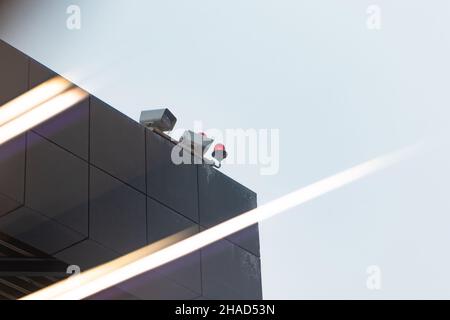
(198, 143)
(161, 119)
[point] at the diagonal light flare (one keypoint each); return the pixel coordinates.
(33, 98)
(143, 260)
(37, 114)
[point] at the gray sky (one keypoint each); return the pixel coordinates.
(339, 93)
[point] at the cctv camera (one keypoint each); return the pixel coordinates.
(161, 119)
(198, 143)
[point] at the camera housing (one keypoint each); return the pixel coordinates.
(197, 143)
(161, 119)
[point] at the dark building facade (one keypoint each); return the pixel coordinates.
(91, 185)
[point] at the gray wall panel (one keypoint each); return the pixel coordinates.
(12, 173)
(174, 185)
(222, 198)
(69, 129)
(13, 73)
(57, 183)
(229, 272)
(117, 144)
(117, 213)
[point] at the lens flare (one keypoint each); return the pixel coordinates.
(33, 98)
(143, 260)
(40, 113)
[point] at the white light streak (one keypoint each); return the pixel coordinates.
(143, 260)
(40, 113)
(33, 98)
